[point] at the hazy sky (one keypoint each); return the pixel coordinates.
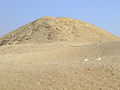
(102, 13)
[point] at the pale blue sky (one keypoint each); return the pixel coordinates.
(102, 13)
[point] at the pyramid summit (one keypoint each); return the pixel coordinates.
(51, 29)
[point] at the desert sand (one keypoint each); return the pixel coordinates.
(46, 57)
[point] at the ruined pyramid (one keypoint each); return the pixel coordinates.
(55, 29)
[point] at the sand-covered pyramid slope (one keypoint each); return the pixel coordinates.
(50, 29)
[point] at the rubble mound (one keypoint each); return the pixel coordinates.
(51, 29)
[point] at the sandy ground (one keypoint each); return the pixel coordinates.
(60, 66)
